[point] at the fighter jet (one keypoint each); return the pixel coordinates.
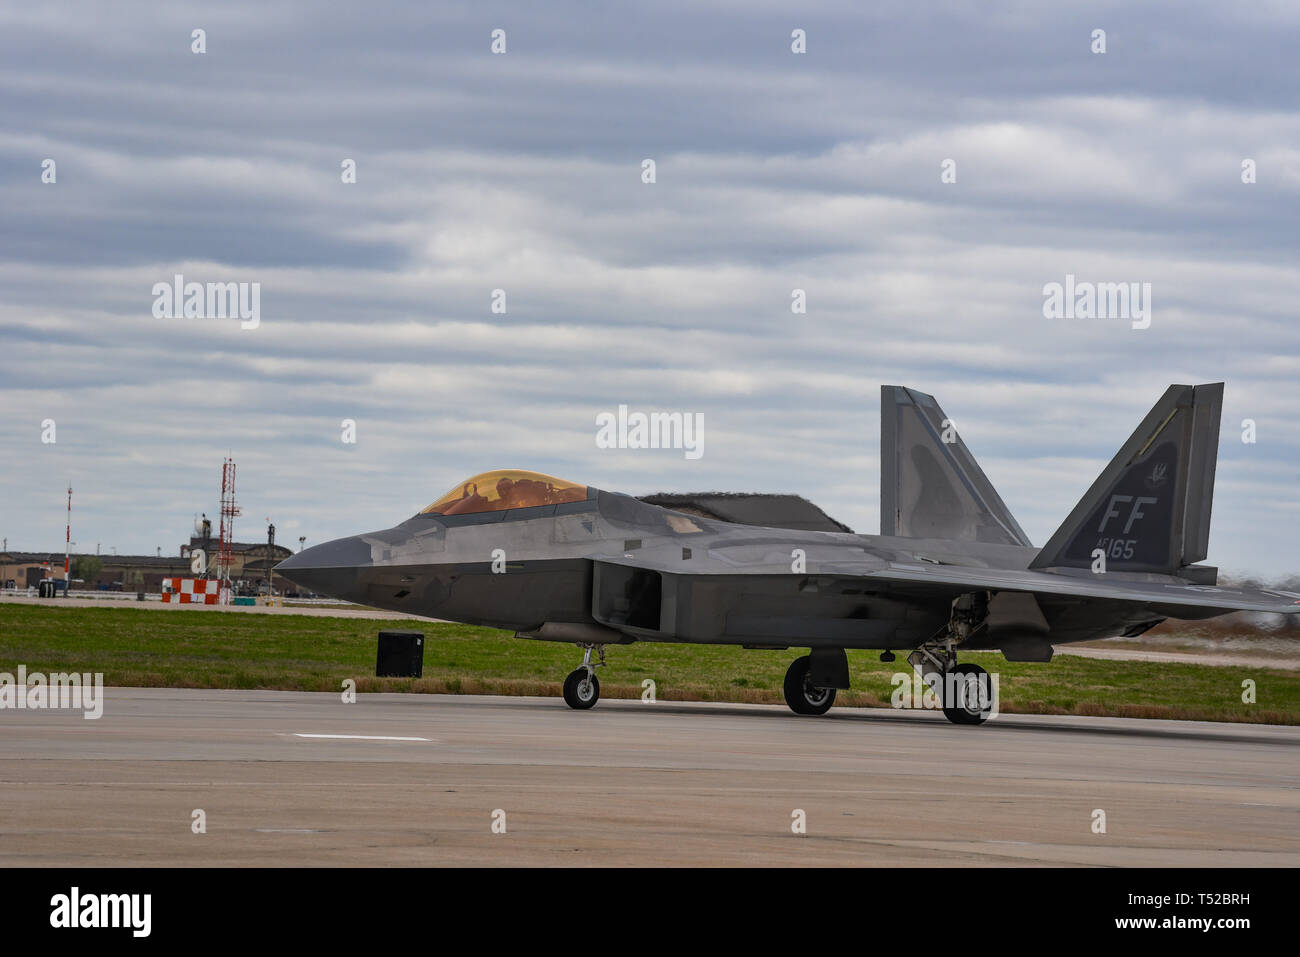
(950, 571)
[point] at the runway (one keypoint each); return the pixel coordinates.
(628, 783)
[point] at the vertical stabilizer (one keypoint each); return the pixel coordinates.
(1149, 510)
(930, 484)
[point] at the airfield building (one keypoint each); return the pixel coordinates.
(139, 572)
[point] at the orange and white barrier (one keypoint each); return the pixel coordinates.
(191, 591)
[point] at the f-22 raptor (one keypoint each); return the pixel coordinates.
(951, 570)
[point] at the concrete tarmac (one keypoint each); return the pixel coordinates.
(628, 783)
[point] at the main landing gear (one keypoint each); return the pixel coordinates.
(968, 698)
(581, 688)
(965, 692)
(800, 694)
(964, 689)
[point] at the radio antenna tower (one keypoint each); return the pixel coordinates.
(67, 547)
(226, 547)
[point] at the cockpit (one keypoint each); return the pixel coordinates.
(505, 489)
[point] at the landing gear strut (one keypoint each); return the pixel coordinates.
(581, 688)
(964, 689)
(800, 694)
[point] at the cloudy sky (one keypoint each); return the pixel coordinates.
(522, 171)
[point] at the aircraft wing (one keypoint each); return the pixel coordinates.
(1161, 596)
(848, 561)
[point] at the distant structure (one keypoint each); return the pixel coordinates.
(67, 545)
(244, 568)
(202, 540)
(251, 563)
(746, 508)
(225, 550)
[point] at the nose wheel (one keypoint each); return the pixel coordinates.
(582, 688)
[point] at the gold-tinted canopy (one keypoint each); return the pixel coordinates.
(503, 489)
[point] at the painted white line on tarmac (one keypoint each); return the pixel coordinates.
(361, 737)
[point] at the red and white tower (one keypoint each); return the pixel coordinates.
(226, 547)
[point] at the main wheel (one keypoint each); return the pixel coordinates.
(581, 690)
(966, 696)
(802, 697)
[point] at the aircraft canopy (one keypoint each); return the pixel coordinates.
(503, 489)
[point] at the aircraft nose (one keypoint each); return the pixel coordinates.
(330, 568)
(350, 552)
